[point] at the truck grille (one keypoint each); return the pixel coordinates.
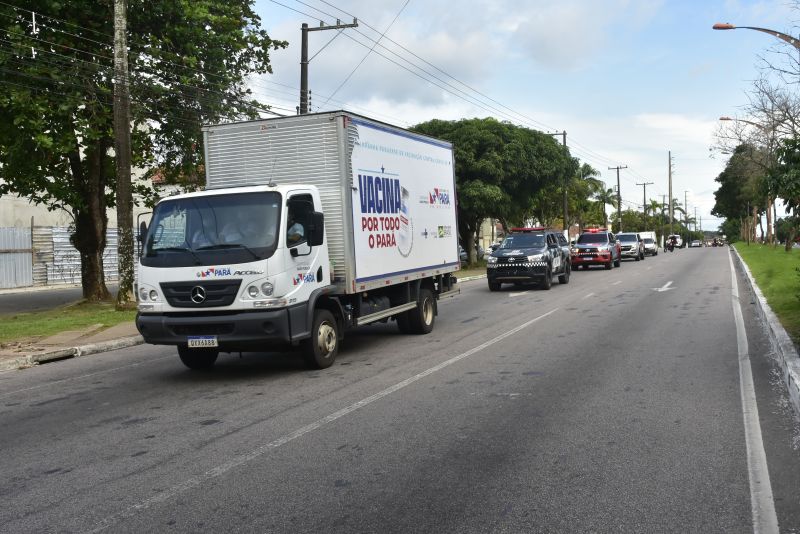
(216, 293)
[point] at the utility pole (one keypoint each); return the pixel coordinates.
(686, 214)
(122, 156)
(566, 178)
(304, 29)
(619, 195)
(663, 205)
(644, 201)
(671, 212)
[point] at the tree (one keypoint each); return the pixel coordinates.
(500, 169)
(188, 64)
(739, 191)
(787, 182)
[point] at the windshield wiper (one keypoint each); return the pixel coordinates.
(223, 246)
(180, 249)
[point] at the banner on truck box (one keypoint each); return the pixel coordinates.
(404, 212)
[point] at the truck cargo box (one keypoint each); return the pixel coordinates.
(388, 194)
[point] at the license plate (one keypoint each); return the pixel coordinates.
(202, 341)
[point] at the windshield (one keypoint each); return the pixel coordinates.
(648, 241)
(205, 230)
(584, 239)
(523, 241)
(629, 238)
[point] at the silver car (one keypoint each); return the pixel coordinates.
(631, 245)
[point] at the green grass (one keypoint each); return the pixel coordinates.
(37, 325)
(472, 270)
(775, 271)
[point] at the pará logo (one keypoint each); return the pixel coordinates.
(439, 197)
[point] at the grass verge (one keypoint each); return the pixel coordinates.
(472, 270)
(37, 325)
(775, 272)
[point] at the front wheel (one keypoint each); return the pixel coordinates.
(494, 286)
(548, 278)
(197, 359)
(319, 351)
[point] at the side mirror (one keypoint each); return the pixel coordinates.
(142, 231)
(316, 230)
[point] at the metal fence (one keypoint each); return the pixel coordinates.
(16, 263)
(45, 256)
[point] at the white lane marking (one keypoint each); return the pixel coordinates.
(587, 296)
(663, 288)
(649, 268)
(47, 384)
(236, 461)
(616, 283)
(517, 294)
(764, 518)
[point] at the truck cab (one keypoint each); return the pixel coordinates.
(232, 269)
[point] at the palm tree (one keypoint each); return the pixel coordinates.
(606, 196)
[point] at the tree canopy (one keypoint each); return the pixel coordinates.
(188, 63)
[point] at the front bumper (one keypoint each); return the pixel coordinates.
(591, 258)
(632, 253)
(234, 331)
(520, 272)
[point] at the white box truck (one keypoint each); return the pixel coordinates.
(308, 226)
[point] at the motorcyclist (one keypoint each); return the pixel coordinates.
(672, 242)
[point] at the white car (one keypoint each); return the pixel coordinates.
(696, 243)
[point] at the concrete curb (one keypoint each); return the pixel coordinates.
(781, 342)
(39, 358)
(469, 278)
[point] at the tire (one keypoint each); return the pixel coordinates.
(319, 351)
(610, 265)
(421, 318)
(637, 257)
(547, 283)
(564, 278)
(402, 323)
(494, 286)
(197, 359)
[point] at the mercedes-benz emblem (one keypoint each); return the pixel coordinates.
(198, 294)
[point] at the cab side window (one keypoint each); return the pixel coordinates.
(298, 217)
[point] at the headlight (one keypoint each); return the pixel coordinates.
(267, 288)
(252, 291)
(535, 257)
(147, 294)
(492, 259)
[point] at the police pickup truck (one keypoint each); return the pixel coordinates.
(529, 255)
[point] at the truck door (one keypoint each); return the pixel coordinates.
(302, 261)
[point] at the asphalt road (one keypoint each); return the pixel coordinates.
(602, 405)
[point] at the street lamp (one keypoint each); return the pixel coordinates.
(788, 38)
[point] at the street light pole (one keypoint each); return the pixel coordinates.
(782, 36)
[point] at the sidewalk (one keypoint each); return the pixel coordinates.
(70, 344)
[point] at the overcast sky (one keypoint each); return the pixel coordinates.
(629, 80)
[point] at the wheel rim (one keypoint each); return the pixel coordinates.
(427, 311)
(326, 339)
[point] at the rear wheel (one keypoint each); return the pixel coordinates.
(564, 278)
(422, 317)
(197, 359)
(319, 351)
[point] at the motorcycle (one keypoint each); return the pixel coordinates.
(670, 246)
